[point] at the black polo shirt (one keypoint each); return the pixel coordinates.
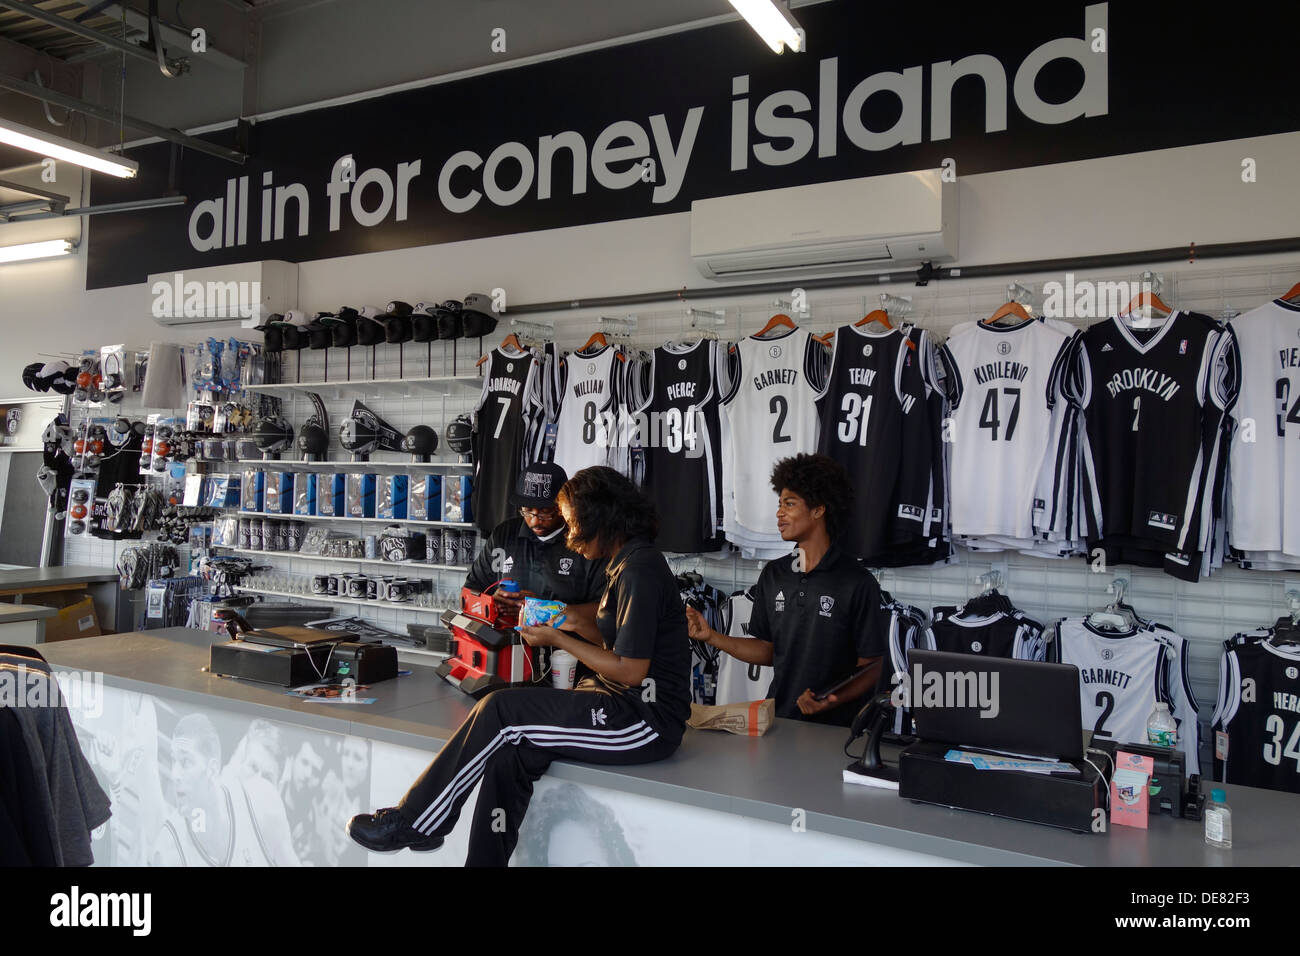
(641, 616)
(541, 565)
(819, 623)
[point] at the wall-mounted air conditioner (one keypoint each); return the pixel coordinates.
(844, 227)
(243, 292)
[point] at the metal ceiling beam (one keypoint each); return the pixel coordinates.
(72, 26)
(33, 191)
(175, 37)
(133, 206)
(108, 116)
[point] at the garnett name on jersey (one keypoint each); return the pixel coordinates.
(1105, 675)
(1013, 370)
(1147, 379)
(775, 376)
(505, 384)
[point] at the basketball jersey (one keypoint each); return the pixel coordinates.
(871, 424)
(739, 682)
(1182, 699)
(1265, 497)
(991, 635)
(502, 422)
(247, 847)
(770, 414)
(1121, 676)
(1149, 401)
(586, 410)
(1257, 721)
(1002, 386)
(683, 476)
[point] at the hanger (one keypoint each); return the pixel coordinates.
(1147, 299)
(510, 340)
(776, 321)
(1117, 615)
(1007, 308)
(875, 315)
(1294, 293)
(1286, 629)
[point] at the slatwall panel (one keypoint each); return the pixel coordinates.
(1205, 612)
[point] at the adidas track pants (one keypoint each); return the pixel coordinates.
(508, 740)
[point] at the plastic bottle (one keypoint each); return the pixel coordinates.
(1161, 729)
(1218, 820)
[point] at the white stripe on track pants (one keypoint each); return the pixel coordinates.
(508, 740)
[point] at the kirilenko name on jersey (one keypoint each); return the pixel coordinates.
(1012, 370)
(1147, 379)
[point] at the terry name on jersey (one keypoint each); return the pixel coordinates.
(1105, 675)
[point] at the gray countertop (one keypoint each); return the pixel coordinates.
(14, 613)
(12, 579)
(795, 765)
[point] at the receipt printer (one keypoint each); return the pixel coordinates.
(365, 663)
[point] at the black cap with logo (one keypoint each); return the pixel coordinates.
(538, 485)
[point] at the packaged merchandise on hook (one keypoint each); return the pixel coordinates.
(115, 374)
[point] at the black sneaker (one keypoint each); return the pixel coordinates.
(384, 831)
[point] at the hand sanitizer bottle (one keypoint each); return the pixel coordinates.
(1218, 820)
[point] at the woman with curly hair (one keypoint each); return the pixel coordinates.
(817, 617)
(632, 708)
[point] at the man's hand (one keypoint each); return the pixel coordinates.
(696, 627)
(511, 602)
(541, 636)
(807, 705)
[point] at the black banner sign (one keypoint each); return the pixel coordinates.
(644, 129)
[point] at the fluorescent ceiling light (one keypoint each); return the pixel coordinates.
(771, 20)
(35, 250)
(55, 147)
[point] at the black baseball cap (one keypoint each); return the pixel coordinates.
(538, 485)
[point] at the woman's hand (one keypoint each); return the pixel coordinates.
(696, 627)
(541, 636)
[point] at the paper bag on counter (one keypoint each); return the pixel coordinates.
(747, 720)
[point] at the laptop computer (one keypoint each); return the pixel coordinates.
(994, 703)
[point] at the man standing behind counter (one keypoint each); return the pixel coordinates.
(530, 549)
(817, 616)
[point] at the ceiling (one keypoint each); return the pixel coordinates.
(264, 56)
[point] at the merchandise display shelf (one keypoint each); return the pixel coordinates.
(379, 387)
(333, 599)
(466, 525)
(387, 467)
(378, 562)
